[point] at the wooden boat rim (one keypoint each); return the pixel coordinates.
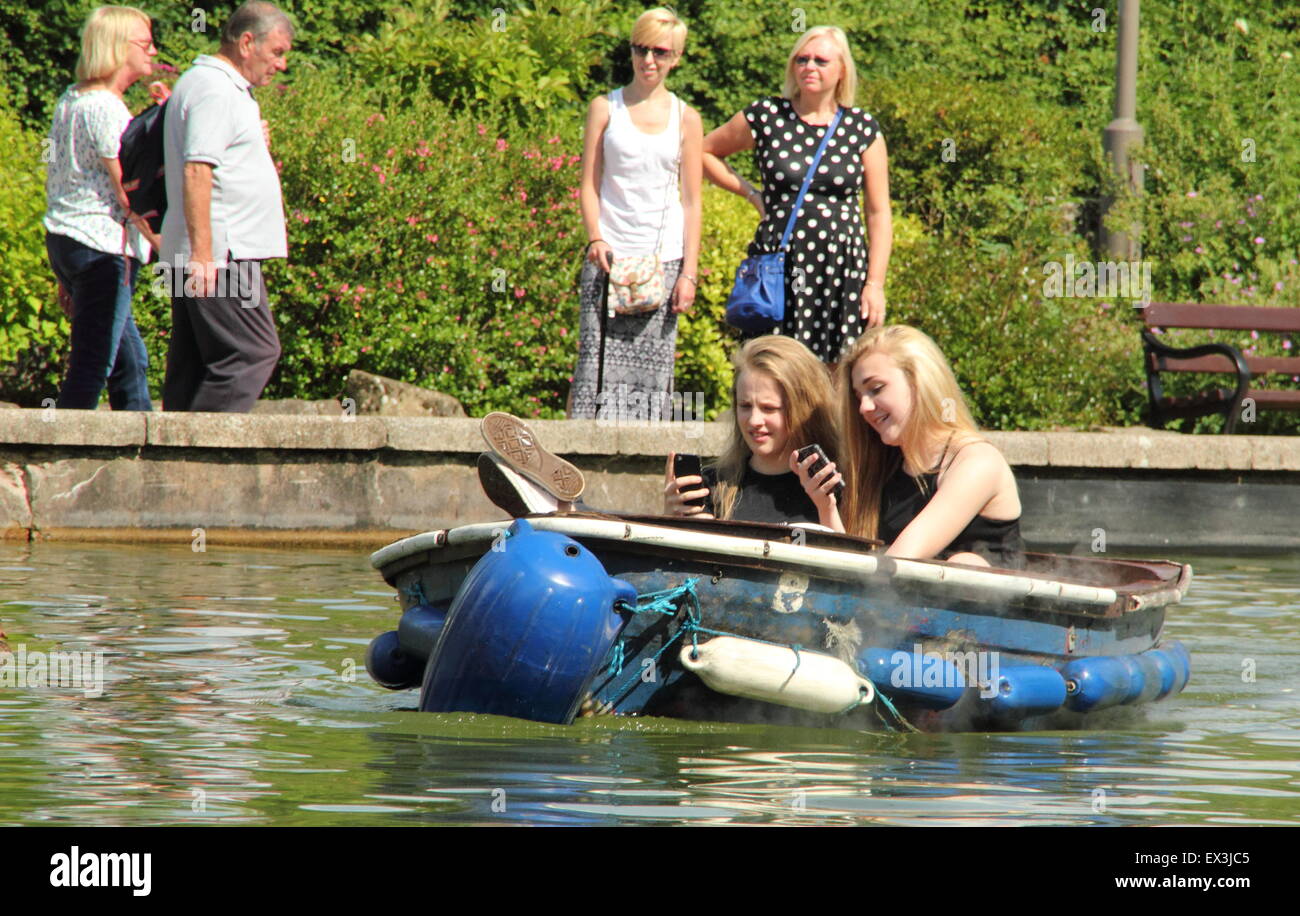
(976, 584)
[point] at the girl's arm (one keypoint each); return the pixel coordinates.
(979, 480)
(880, 230)
(819, 488)
(114, 169)
(732, 137)
(688, 280)
(592, 168)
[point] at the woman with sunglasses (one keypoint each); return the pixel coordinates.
(834, 281)
(640, 197)
(94, 255)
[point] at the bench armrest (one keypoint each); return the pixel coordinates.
(1155, 349)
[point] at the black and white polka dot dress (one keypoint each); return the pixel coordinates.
(826, 263)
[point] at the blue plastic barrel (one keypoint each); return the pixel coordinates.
(419, 628)
(1152, 677)
(1182, 662)
(527, 631)
(1167, 671)
(390, 665)
(1095, 683)
(926, 679)
(1028, 690)
(1137, 679)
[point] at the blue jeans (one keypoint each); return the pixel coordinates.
(106, 346)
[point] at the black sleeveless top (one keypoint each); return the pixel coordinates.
(905, 496)
(775, 498)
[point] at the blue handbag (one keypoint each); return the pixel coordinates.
(757, 300)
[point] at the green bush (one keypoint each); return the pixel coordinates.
(30, 316)
(488, 311)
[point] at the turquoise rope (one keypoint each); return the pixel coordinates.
(416, 591)
(667, 602)
(898, 716)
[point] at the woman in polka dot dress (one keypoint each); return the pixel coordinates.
(834, 281)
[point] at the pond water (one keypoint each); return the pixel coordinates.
(234, 692)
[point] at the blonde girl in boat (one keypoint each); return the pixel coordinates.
(923, 479)
(782, 401)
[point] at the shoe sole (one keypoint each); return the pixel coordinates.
(511, 438)
(494, 475)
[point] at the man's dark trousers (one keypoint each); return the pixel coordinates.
(224, 347)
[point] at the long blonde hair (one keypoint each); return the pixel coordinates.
(847, 88)
(805, 385)
(939, 413)
(105, 39)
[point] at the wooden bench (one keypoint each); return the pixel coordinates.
(1217, 357)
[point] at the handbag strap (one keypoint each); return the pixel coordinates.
(807, 179)
(677, 171)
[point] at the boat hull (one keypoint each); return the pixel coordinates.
(838, 596)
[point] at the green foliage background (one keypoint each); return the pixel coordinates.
(429, 156)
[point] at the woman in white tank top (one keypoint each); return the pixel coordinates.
(641, 170)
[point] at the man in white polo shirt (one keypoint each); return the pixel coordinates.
(225, 216)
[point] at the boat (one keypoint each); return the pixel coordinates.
(558, 616)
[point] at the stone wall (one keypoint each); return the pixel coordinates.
(252, 478)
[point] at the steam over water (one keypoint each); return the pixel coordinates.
(234, 692)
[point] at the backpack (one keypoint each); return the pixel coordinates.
(141, 157)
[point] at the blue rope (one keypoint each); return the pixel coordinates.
(415, 591)
(898, 716)
(668, 603)
(616, 661)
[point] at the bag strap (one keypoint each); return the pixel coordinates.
(807, 179)
(676, 176)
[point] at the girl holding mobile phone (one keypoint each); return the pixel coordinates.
(782, 402)
(923, 480)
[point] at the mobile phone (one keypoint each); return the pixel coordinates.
(817, 465)
(688, 465)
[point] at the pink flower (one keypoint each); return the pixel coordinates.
(1191, 193)
(1199, 250)
(343, 288)
(431, 239)
(482, 130)
(411, 221)
(523, 197)
(1259, 240)
(375, 117)
(501, 145)
(1254, 335)
(553, 140)
(564, 332)
(519, 293)
(1286, 344)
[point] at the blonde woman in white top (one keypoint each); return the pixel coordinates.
(94, 257)
(641, 173)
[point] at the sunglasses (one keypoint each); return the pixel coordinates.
(804, 60)
(659, 53)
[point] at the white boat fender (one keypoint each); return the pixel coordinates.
(777, 674)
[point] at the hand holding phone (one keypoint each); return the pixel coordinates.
(685, 466)
(808, 450)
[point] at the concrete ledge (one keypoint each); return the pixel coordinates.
(336, 479)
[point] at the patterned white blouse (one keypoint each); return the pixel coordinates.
(80, 202)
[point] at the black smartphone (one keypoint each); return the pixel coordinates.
(817, 465)
(688, 465)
